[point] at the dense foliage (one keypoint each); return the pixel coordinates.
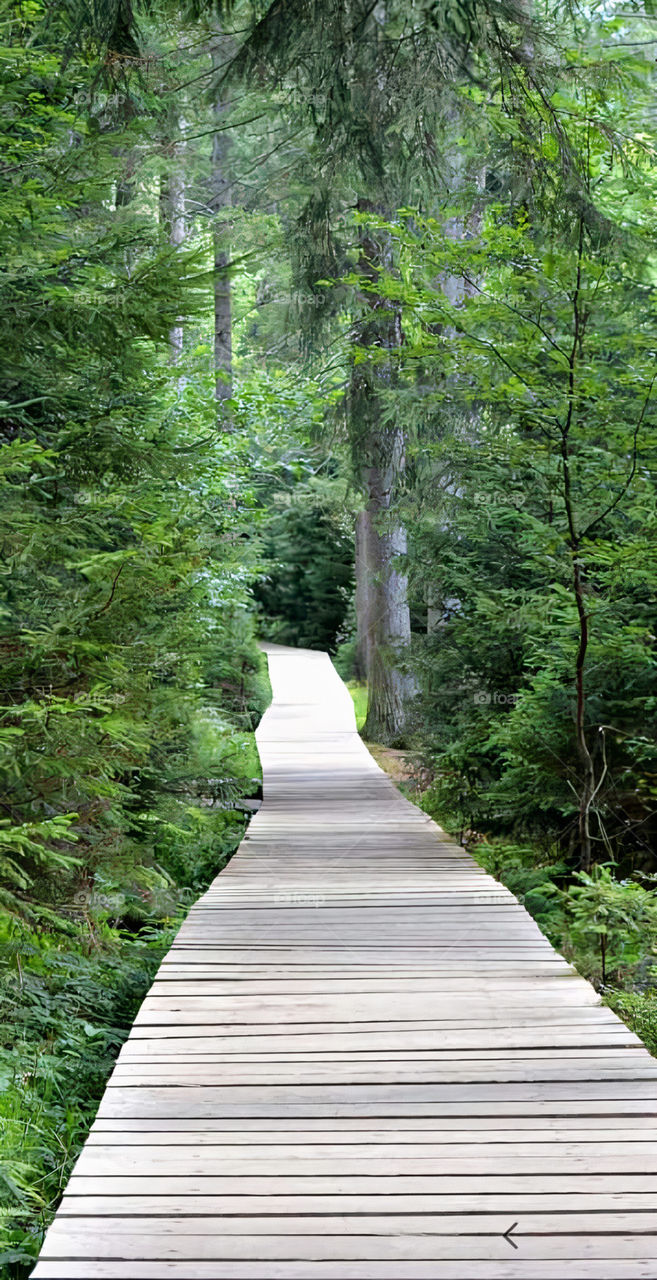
(305, 595)
(535, 495)
(131, 680)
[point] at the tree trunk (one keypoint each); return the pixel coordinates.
(172, 218)
(588, 787)
(383, 617)
(435, 610)
(363, 594)
(389, 618)
(220, 200)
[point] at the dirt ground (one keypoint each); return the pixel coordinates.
(399, 765)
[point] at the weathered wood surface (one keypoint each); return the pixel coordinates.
(362, 1060)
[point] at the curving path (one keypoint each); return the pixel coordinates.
(362, 1060)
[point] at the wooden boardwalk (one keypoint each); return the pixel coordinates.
(362, 1060)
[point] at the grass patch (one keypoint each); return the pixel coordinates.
(358, 691)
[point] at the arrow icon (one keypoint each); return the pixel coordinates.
(507, 1235)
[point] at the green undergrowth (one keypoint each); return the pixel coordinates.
(67, 1002)
(66, 1008)
(73, 973)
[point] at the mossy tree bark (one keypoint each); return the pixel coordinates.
(383, 616)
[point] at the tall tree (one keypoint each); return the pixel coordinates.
(382, 611)
(172, 204)
(106, 475)
(220, 200)
(367, 85)
(540, 505)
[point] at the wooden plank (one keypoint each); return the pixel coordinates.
(499, 1269)
(119, 1233)
(356, 1185)
(148, 1076)
(141, 1204)
(371, 1099)
(626, 1129)
(361, 1060)
(300, 1046)
(395, 1147)
(163, 1162)
(524, 1024)
(637, 1127)
(259, 1051)
(210, 986)
(99, 1239)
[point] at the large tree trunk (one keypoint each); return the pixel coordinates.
(389, 623)
(456, 289)
(220, 200)
(383, 617)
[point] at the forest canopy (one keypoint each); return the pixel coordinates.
(334, 324)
